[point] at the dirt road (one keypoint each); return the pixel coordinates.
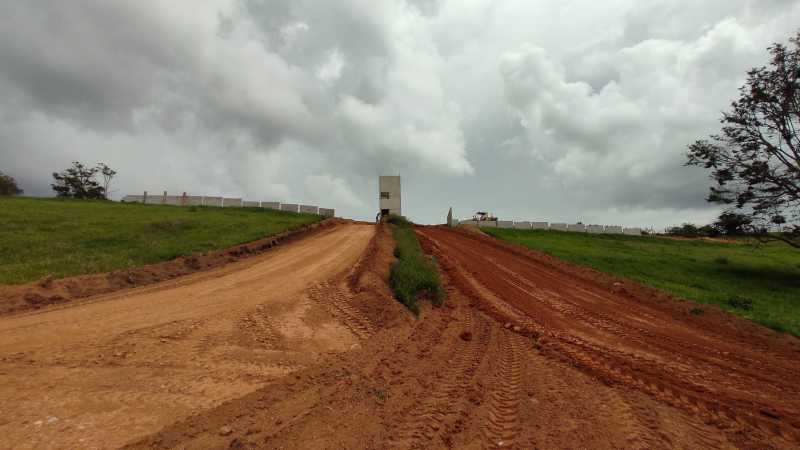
(733, 375)
(100, 373)
(525, 353)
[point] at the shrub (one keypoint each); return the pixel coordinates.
(721, 260)
(8, 185)
(399, 221)
(739, 302)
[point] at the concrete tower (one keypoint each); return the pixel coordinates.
(389, 195)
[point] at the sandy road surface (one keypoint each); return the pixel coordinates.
(100, 373)
(605, 371)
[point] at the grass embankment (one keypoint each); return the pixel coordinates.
(413, 275)
(40, 237)
(761, 283)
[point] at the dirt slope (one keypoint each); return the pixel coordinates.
(100, 373)
(739, 377)
(472, 374)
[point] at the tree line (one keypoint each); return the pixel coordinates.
(78, 181)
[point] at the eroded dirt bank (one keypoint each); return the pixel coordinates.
(100, 373)
(48, 292)
(473, 373)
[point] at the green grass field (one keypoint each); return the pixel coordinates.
(412, 276)
(759, 282)
(40, 237)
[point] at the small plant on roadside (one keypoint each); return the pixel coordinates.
(721, 260)
(740, 302)
(380, 395)
(696, 311)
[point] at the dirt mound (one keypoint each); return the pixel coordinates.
(49, 291)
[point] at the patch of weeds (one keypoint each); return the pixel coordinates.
(740, 302)
(380, 395)
(399, 221)
(721, 260)
(413, 275)
(777, 326)
(696, 311)
(170, 225)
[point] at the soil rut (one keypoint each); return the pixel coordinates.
(630, 340)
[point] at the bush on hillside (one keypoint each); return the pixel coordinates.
(8, 185)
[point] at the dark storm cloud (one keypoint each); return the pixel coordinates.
(533, 109)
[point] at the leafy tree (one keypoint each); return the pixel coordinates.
(686, 230)
(708, 230)
(108, 174)
(733, 223)
(755, 162)
(8, 185)
(78, 181)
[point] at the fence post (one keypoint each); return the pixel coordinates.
(144, 198)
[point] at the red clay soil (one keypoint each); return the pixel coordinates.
(48, 291)
(733, 374)
(527, 352)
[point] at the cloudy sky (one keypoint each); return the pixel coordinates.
(533, 109)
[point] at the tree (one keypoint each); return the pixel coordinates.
(755, 162)
(685, 230)
(78, 181)
(108, 174)
(8, 185)
(733, 223)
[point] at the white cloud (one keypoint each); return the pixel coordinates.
(528, 108)
(327, 188)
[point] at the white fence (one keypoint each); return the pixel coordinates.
(575, 228)
(222, 202)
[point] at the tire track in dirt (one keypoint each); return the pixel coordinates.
(428, 420)
(704, 354)
(335, 296)
(258, 326)
(503, 425)
(577, 322)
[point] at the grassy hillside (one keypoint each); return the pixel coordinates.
(761, 283)
(40, 237)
